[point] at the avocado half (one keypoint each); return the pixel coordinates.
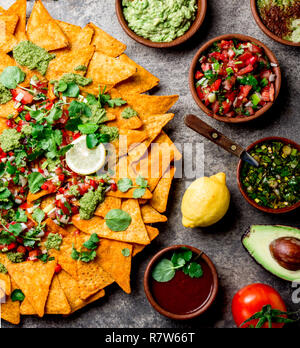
(257, 241)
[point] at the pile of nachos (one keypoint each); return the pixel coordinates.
(68, 96)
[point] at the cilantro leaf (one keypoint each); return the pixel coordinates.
(21, 216)
(12, 76)
(92, 243)
(88, 128)
(118, 220)
(125, 184)
(91, 141)
(126, 252)
(72, 90)
(35, 181)
(75, 254)
(87, 256)
(38, 215)
(17, 295)
(139, 192)
(15, 229)
(116, 102)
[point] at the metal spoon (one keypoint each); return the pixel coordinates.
(218, 138)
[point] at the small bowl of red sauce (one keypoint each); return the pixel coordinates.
(181, 282)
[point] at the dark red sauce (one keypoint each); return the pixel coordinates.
(183, 294)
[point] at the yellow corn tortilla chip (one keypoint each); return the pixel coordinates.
(3, 124)
(135, 233)
(115, 263)
(19, 8)
(147, 105)
(105, 70)
(108, 204)
(122, 123)
(71, 290)
(8, 23)
(52, 227)
(142, 81)
(5, 284)
(10, 311)
(68, 61)
(43, 30)
(152, 232)
(34, 279)
(105, 43)
(47, 201)
(152, 126)
(161, 193)
(151, 216)
(35, 196)
(91, 277)
(128, 139)
(71, 31)
(164, 139)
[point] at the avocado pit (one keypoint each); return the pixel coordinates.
(286, 251)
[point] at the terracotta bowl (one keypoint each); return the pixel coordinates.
(157, 307)
(202, 7)
(269, 54)
(262, 26)
(239, 169)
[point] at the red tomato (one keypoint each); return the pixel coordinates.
(27, 97)
(246, 70)
(251, 299)
(198, 75)
(216, 85)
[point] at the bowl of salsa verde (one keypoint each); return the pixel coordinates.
(234, 78)
(181, 282)
(273, 187)
(161, 23)
(278, 19)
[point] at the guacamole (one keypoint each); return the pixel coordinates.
(160, 20)
(89, 202)
(5, 95)
(26, 130)
(76, 78)
(10, 139)
(28, 54)
(98, 115)
(281, 17)
(15, 257)
(81, 68)
(3, 269)
(53, 241)
(128, 113)
(113, 132)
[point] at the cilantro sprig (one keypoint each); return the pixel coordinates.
(165, 270)
(125, 184)
(86, 255)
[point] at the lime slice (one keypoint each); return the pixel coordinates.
(85, 161)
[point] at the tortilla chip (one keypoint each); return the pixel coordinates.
(10, 311)
(122, 123)
(71, 290)
(43, 30)
(114, 263)
(52, 227)
(3, 124)
(71, 31)
(164, 139)
(91, 277)
(5, 284)
(8, 23)
(142, 81)
(135, 233)
(108, 204)
(152, 126)
(152, 232)
(67, 62)
(128, 139)
(35, 196)
(47, 201)
(105, 70)
(57, 302)
(105, 43)
(19, 8)
(34, 279)
(161, 193)
(151, 216)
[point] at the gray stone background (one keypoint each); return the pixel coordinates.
(222, 241)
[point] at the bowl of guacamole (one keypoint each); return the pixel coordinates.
(161, 23)
(279, 19)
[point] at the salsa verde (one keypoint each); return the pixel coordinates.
(276, 183)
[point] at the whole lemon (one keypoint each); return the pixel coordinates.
(205, 202)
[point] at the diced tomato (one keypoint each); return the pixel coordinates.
(255, 49)
(216, 85)
(252, 60)
(11, 246)
(58, 268)
(231, 96)
(246, 70)
(21, 249)
(230, 114)
(114, 187)
(49, 106)
(24, 206)
(61, 177)
(265, 74)
(65, 117)
(75, 210)
(58, 171)
(250, 110)
(272, 92)
(44, 187)
(205, 66)
(228, 84)
(231, 53)
(33, 255)
(27, 117)
(83, 188)
(226, 107)
(27, 97)
(9, 123)
(245, 56)
(245, 90)
(198, 75)
(200, 93)
(265, 94)
(226, 44)
(215, 107)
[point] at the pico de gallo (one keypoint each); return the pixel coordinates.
(235, 78)
(32, 162)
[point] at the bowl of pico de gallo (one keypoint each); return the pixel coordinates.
(235, 78)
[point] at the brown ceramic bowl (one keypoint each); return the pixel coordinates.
(262, 26)
(202, 7)
(269, 54)
(162, 311)
(239, 169)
